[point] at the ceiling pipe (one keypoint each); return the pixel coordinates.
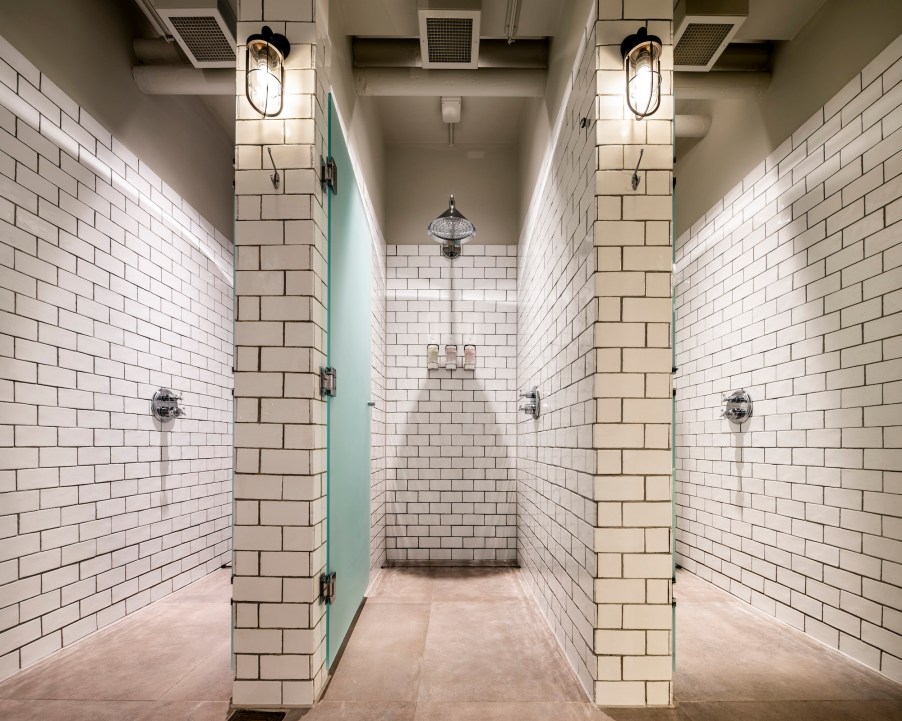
(406, 53)
(717, 85)
(183, 80)
(512, 20)
(485, 82)
(691, 126)
(156, 51)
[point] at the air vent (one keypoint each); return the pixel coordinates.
(701, 35)
(204, 29)
(449, 40)
(699, 43)
(449, 35)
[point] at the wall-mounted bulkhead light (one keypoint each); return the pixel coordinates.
(452, 230)
(642, 64)
(265, 73)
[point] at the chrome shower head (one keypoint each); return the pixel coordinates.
(451, 226)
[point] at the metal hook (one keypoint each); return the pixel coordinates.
(635, 180)
(275, 177)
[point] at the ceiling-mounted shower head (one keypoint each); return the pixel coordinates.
(451, 226)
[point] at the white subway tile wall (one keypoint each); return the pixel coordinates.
(450, 490)
(791, 287)
(280, 439)
(555, 352)
(111, 287)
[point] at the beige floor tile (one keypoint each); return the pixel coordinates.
(647, 714)
(211, 680)
(476, 584)
(795, 711)
(726, 652)
(507, 711)
(365, 711)
(382, 659)
(403, 585)
(92, 710)
(493, 652)
(144, 656)
(113, 669)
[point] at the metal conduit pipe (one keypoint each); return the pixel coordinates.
(715, 85)
(183, 80)
(691, 126)
(485, 82)
(406, 53)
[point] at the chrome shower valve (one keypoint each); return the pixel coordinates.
(533, 405)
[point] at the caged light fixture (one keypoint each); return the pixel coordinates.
(642, 64)
(451, 229)
(265, 71)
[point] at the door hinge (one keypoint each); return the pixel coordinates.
(327, 587)
(328, 382)
(328, 174)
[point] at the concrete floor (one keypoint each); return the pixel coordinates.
(167, 662)
(449, 645)
(452, 644)
(734, 662)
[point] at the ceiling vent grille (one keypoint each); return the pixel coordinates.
(449, 36)
(449, 40)
(204, 29)
(699, 43)
(701, 36)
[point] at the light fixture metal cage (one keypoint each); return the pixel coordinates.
(641, 54)
(265, 71)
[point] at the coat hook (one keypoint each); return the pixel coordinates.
(275, 177)
(635, 181)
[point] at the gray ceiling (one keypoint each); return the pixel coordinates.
(496, 120)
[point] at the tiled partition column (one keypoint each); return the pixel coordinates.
(450, 488)
(791, 287)
(594, 335)
(111, 286)
(633, 379)
(280, 346)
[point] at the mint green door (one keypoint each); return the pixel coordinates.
(350, 354)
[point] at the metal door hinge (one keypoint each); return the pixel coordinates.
(327, 587)
(328, 382)
(328, 174)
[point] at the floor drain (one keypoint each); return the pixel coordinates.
(247, 715)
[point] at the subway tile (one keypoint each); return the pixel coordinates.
(81, 288)
(835, 462)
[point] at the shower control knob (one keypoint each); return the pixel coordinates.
(737, 407)
(533, 407)
(165, 405)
